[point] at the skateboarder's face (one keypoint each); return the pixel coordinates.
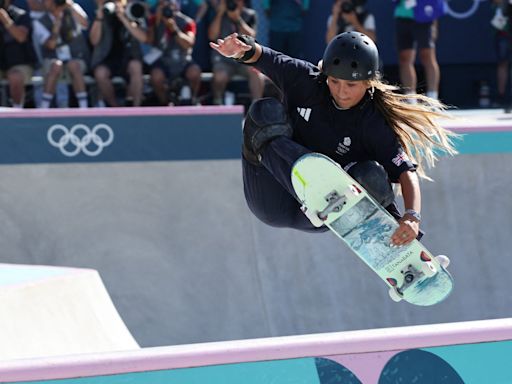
(346, 93)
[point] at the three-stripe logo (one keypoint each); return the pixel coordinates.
(304, 112)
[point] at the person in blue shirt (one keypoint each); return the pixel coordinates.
(285, 20)
(503, 48)
(416, 30)
(342, 109)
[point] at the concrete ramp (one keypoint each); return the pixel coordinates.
(48, 311)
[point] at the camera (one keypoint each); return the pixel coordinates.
(231, 5)
(109, 8)
(59, 3)
(135, 10)
(167, 12)
(347, 7)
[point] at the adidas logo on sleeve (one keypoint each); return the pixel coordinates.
(304, 112)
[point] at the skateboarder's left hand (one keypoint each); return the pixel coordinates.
(230, 46)
(406, 232)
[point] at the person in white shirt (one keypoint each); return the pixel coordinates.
(64, 47)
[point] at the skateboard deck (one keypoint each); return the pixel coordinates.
(411, 272)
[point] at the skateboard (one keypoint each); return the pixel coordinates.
(330, 195)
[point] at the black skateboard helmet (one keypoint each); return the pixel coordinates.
(351, 56)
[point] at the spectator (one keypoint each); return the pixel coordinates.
(503, 43)
(285, 25)
(63, 47)
(416, 27)
(17, 57)
(116, 35)
(173, 36)
(232, 16)
(348, 16)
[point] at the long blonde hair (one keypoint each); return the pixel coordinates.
(416, 124)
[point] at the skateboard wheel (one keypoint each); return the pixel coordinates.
(312, 216)
(443, 260)
(429, 269)
(395, 295)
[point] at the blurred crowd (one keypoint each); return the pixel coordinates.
(137, 53)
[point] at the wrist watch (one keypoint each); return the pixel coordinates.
(413, 213)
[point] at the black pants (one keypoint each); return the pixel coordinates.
(269, 191)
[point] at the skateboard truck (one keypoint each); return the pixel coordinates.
(411, 275)
(335, 204)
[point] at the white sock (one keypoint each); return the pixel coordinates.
(47, 100)
(17, 106)
(82, 99)
(432, 94)
(410, 100)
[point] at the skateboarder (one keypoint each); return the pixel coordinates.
(342, 109)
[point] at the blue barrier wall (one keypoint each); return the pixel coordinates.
(152, 134)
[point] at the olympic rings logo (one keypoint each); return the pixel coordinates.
(80, 138)
(464, 14)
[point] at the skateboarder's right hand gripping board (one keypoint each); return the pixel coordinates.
(331, 197)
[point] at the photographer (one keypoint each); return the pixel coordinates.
(232, 16)
(503, 46)
(64, 47)
(416, 32)
(173, 36)
(116, 34)
(348, 16)
(17, 57)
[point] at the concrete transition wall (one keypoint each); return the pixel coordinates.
(51, 311)
(184, 260)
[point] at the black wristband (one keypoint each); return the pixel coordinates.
(249, 40)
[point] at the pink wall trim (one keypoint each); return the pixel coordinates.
(123, 111)
(194, 355)
(497, 122)
(479, 128)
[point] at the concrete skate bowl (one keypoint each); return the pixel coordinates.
(159, 212)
